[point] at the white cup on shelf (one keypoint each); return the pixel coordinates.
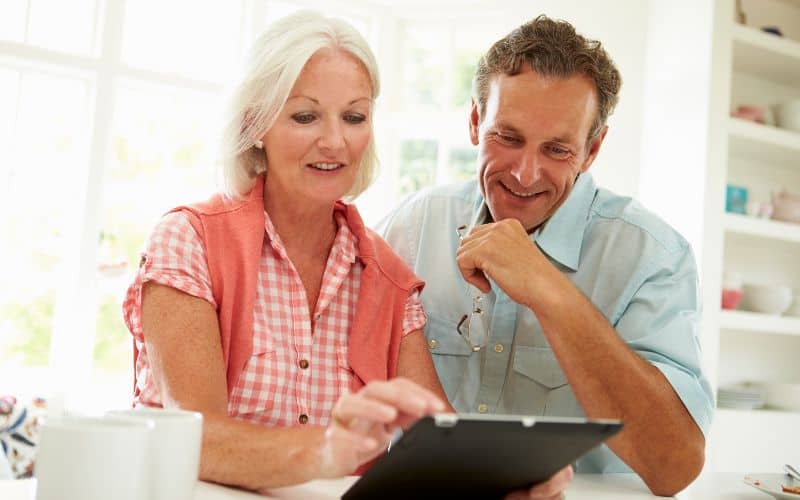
(92, 458)
(173, 450)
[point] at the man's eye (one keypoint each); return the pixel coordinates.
(559, 152)
(510, 139)
(303, 118)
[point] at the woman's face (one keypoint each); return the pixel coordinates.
(314, 149)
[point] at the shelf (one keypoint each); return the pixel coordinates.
(766, 56)
(755, 322)
(762, 228)
(764, 143)
(760, 413)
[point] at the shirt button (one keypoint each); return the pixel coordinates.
(482, 408)
(303, 363)
(433, 344)
(303, 418)
(498, 348)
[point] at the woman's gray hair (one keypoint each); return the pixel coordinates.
(273, 64)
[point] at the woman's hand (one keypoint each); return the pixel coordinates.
(552, 489)
(363, 422)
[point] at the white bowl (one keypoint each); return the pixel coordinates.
(783, 396)
(787, 115)
(766, 299)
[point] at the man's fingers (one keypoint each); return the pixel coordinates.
(471, 270)
(553, 487)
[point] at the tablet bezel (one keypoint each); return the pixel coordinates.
(478, 455)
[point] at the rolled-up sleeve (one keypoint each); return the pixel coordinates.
(661, 323)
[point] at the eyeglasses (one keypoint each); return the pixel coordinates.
(472, 326)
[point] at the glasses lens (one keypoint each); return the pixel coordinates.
(477, 329)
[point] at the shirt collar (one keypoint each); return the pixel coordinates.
(561, 236)
(344, 243)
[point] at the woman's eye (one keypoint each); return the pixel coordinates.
(303, 118)
(355, 118)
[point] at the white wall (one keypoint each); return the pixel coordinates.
(675, 110)
(621, 26)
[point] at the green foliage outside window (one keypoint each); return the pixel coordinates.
(462, 163)
(463, 71)
(417, 165)
(30, 325)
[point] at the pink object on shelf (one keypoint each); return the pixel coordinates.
(751, 113)
(731, 298)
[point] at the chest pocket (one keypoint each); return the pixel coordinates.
(257, 385)
(539, 364)
(449, 351)
(540, 386)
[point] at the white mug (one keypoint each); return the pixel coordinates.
(174, 450)
(92, 458)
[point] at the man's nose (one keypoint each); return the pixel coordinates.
(528, 169)
(332, 136)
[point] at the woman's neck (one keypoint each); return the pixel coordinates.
(307, 230)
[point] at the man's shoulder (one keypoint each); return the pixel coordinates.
(432, 205)
(461, 193)
(629, 215)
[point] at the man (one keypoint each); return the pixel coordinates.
(546, 294)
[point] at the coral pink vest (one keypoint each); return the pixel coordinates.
(233, 234)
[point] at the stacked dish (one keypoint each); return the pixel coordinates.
(741, 396)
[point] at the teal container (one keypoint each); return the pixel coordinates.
(735, 199)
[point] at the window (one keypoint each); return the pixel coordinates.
(52, 24)
(107, 120)
(164, 37)
(44, 117)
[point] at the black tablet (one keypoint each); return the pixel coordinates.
(478, 456)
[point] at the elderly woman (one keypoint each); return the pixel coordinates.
(271, 308)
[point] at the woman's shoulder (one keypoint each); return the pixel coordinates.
(177, 223)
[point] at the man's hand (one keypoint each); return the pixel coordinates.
(552, 489)
(504, 252)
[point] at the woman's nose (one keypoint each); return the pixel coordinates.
(331, 137)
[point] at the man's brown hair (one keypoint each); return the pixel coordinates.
(551, 48)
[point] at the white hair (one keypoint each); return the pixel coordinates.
(273, 65)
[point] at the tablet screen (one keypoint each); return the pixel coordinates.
(479, 456)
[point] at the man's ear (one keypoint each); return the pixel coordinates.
(473, 123)
(594, 149)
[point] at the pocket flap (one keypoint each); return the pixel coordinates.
(539, 364)
(443, 337)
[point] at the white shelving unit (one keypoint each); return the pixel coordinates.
(761, 228)
(759, 323)
(756, 68)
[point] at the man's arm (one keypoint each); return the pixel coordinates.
(660, 441)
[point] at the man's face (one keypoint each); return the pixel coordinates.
(532, 143)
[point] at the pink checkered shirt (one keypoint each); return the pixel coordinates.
(298, 368)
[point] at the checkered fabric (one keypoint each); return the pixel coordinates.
(298, 367)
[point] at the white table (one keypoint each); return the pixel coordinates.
(583, 487)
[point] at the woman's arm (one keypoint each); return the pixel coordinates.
(183, 343)
(415, 364)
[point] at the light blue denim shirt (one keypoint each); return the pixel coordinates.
(636, 270)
